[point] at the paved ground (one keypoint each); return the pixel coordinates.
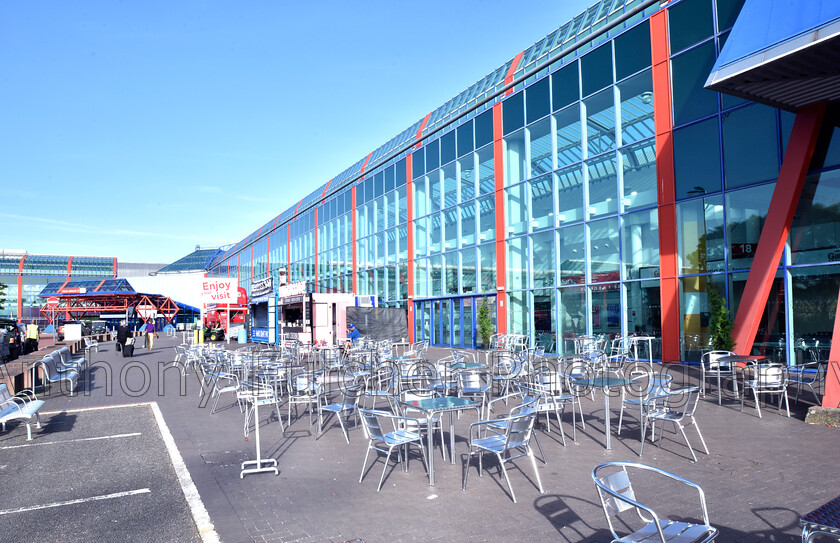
(761, 475)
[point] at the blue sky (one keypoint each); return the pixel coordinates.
(141, 129)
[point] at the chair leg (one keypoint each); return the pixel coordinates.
(787, 404)
(507, 478)
(685, 437)
(703, 441)
(343, 429)
(364, 462)
(385, 467)
(559, 424)
(536, 472)
(620, 418)
(757, 406)
(466, 470)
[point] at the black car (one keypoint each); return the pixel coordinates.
(14, 337)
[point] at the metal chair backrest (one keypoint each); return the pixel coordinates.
(770, 376)
(518, 430)
(303, 384)
(710, 361)
(371, 421)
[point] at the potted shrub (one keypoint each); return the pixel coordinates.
(720, 322)
(486, 329)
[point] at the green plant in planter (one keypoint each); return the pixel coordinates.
(720, 323)
(486, 329)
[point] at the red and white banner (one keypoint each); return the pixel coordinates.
(219, 291)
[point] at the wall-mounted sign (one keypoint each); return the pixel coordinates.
(294, 289)
(79, 290)
(263, 287)
(219, 291)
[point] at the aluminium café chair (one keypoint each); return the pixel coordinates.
(302, 390)
(808, 375)
(345, 407)
(766, 379)
(401, 437)
(416, 419)
(615, 489)
(548, 385)
(526, 403)
(649, 385)
(712, 368)
(515, 439)
(677, 407)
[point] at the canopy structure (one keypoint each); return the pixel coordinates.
(781, 53)
(90, 298)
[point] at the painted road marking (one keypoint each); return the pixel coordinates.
(79, 440)
(77, 501)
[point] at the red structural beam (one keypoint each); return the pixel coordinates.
(771, 244)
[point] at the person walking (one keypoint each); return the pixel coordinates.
(151, 334)
(31, 337)
(122, 335)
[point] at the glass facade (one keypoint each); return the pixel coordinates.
(26, 275)
(542, 197)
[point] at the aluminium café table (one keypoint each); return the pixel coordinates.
(738, 361)
(605, 384)
(444, 404)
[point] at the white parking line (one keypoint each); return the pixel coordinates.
(115, 436)
(74, 502)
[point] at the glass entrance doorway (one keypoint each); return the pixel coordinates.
(449, 322)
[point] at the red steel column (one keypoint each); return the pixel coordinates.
(316, 289)
(665, 191)
(115, 267)
(353, 240)
(20, 288)
(831, 395)
(501, 230)
(771, 244)
(409, 202)
(69, 265)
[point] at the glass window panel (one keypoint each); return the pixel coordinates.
(538, 100)
(513, 113)
(569, 148)
(468, 271)
(565, 86)
(542, 202)
(435, 233)
(400, 172)
(466, 178)
(391, 245)
(381, 212)
(391, 208)
(389, 179)
(421, 204)
(600, 122)
(632, 51)
(516, 210)
(447, 147)
(432, 155)
(450, 236)
(727, 12)
(486, 171)
(689, 72)
(745, 213)
(640, 245)
(697, 159)
(636, 99)
(572, 316)
(518, 313)
(468, 223)
(570, 195)
(435, 190)
(571, 248)
(603, 250)
(420, 237)
(517, 263)
(603, 186)
(750, 152)
(450, 261)
(813, 312)
(606, 308)
(815, 232)
(403, 242)
(487, 254)
(421, 277)
(450, 185)
(542, 245)
(486, 219)
(465, 138)
(644, 313)
(545, 330)
(514, 158)
(402, 204)
(539, 136)
(689, 22)
(596, 69)
(639, 169)
(770, 337)
(402, 269)
(484, 129)
(435, 275)
(378, 184)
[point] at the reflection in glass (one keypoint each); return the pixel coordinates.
(488, 267)
(600, 122)
(468, 271)
(466, 176)
(572, 316)
(568, 131)
(542, 245)
(640, 245)
(750, 146)
(468, 224)
(539, 135)
(697, 159)
(636, 100)
(542, 202)
(571, 248)
(700, 235)
(518, 313)
(639, 166)
(603, 186)
(815, 232)
(517, 263)
(514, 158)
(603, 250)
(570, 195)
(813, 311)
(745, 213)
